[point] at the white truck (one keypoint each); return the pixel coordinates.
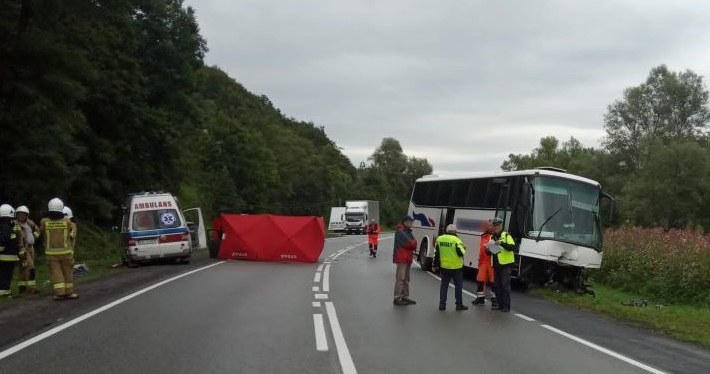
(337, 219)
(359, 213)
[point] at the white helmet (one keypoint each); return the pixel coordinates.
(451, 229)
(67, 212)
(55, 205)
(22, 209)
(7, 211)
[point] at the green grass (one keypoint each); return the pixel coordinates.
(97, 248)
(683, 322)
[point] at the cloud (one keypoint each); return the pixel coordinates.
(460, 83)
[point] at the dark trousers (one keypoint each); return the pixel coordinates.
(373, 249)
(502, 285)
(7, 268)
(446, 276)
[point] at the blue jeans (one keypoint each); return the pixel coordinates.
(446, 276)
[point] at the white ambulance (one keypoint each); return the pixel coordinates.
(154, 228)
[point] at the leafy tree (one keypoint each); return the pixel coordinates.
(669, 106)
(390, 178)
(670, 186)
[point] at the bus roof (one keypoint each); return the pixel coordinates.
(497, 174)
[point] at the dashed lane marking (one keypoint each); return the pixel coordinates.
(606, 351)
(315, 289)
(316, 277)
(326, 278)
(587, 343)
(316, 304)
(321, 340)
(321, 296)
(524, 317)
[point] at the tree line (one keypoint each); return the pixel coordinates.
(103, 98)
(655, 157)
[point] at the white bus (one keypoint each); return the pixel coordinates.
(553, 216)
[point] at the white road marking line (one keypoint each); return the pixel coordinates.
(606, 351)
(316, 304)
(346, 361)
(64, 326)
(315, 289)
(321, 296)
(582, 341)
(321, 340)
(524, 317)
(326, 278)
(320, 268)
(316, 278)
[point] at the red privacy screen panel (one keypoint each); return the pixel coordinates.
(265, 237)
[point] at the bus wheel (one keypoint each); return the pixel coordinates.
(424, 261)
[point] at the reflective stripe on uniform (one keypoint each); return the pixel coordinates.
(22, 283)
(59, 285)
(67, 252)
(4, 292)
(31, 283)
(68, 285)
(9, 258)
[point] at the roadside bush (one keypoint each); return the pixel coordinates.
(665, 266)
(96, 245)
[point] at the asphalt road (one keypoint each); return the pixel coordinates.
(335, 316)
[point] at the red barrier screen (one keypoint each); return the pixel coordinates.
(265, 237)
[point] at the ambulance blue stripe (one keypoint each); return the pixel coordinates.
(141, 234)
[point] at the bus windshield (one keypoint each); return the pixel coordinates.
(566, 210)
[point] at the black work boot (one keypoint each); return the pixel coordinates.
(461, 307)
(494, 304)
(442, 306)
(479, 300)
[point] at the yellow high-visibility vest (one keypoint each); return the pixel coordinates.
(448, 257)
(505, 256)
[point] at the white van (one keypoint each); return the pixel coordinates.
(154, 228)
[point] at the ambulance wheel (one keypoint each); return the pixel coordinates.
(183, 260)
(129, 262)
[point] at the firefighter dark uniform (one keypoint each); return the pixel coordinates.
(11, 247)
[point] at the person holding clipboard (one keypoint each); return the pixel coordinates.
(502, 250)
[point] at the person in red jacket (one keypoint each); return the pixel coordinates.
(373, 236)
(485, 278)
(404, 247)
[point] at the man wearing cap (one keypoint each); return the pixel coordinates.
(449, 256)
(404, 247)
(502, 265)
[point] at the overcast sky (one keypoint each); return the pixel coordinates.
(461, 83)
